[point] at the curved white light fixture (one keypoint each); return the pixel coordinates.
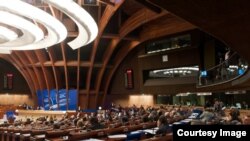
(56, 30)
(7, 35)
(31, 32)
(87, 26)
(2, 51)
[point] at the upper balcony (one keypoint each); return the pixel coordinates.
(226, 71)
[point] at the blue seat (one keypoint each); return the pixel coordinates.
(134, 136)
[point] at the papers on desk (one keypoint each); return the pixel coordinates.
(40, 136)
(136, 132)
(151, 131)
(117, 136)
(92, 139)
(193, 115)
(26, 135)
(177, 123)
(186, 121)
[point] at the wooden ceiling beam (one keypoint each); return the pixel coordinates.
(27, 61)
(45, 72)
(78, 74)
(65, 71)
(21, 60)
(52, 60)
(47, 76)
(130, 25)
(150, 6)
(108, 2)
(37, 75)
(107, 36)
(117, 36)
(108, 13)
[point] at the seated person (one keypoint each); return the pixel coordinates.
(124, 120)
(94, 124)
(234, 116)
(195, 113)
(80, 124)
(162, 124)
(56, 126)
(246, 119)
(207, 115)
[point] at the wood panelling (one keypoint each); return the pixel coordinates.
(38, 72)
(23, 60)
(147, 34)
(19, 77)
(16, 99)
(118, 83)
(129, 100)
(186, 57)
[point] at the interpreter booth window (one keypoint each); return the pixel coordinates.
(169, 44)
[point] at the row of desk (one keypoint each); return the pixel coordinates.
(73, 134)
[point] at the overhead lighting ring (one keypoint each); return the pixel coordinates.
(31, 33)
(87, 26)
(56, 30)
(7, 34)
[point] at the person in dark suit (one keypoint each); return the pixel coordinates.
(163, 126)
(94, 124)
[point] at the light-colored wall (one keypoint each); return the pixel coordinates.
(129, 100)
(16, 99)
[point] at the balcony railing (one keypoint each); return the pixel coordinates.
(226, 71)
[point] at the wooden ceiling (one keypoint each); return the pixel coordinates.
(123, 25)
(226, 20)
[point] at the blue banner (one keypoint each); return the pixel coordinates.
(53, 97)
(46, 99)
(62, 97)
(72, 100)
(58, 99)
(39, 98)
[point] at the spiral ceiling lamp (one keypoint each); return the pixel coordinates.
(19, 14)
(7, 34)
(87, 27)
(31, 32)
